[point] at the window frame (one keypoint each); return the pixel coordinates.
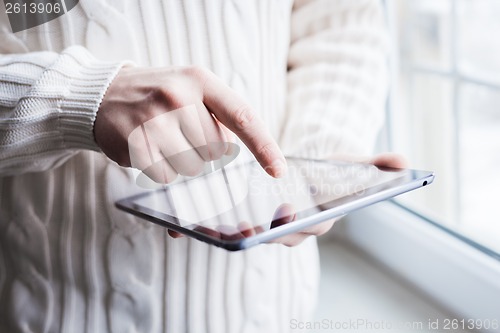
(457, 78)
(456, 272)
(457, 276)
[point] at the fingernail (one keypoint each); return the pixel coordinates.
(279, 168)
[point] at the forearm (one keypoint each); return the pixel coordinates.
(48, 105)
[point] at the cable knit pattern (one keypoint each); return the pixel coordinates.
(337, 64)
(314, 70)
(54, 109)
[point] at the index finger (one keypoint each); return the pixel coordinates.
(236, 114)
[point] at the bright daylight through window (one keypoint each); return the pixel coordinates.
(445, 110)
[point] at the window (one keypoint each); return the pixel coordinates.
(444, 112)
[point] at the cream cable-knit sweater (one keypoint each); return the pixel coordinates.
(69, 261)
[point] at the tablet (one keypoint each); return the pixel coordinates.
(239, 206)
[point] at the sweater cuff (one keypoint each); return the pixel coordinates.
(87, 81)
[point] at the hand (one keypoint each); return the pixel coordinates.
(169, 121)
(388, 160)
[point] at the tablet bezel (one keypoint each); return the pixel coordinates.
(342, 207)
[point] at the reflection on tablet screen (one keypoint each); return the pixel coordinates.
(230, 202)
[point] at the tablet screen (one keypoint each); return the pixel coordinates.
(241, 199)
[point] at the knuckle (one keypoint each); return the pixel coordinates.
(183, 88)
(191, 169)
(193, 70)
(153, 173)
(169, 96)
(198, 73)
(265, 149)
(217, 150)
(243, 117)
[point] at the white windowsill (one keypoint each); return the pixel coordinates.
(455, 275)
(354, 288)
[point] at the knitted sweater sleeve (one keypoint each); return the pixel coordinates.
(48, 104)
(337, 78)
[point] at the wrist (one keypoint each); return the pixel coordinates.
(89, 79)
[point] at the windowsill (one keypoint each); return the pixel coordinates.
(353, 287)
(441, 268)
